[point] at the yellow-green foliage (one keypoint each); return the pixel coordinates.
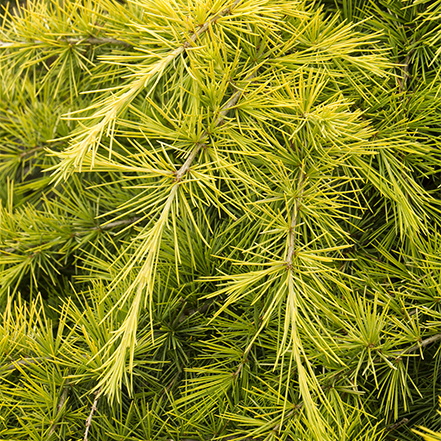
(220, 219)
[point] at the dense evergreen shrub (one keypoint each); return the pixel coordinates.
(220, 220)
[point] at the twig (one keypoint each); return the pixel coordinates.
(95, 40)
(118, 223)
(220, 119)
(422, 344)
(406, 69)
(92, 411)
(167, 389)
(105, 227)
(233, 100)
(208, 23)
(247, 351)
(29, 361)
(31, 152)
(241, 364)
(396, 425)
(294, 219)
(60, 406)
(289, 414)
(186, 166)
(9, 250)
(25, 362)
(201, 310)
(403, 84)
(71, 41)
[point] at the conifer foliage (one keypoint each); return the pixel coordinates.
(220, 219)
